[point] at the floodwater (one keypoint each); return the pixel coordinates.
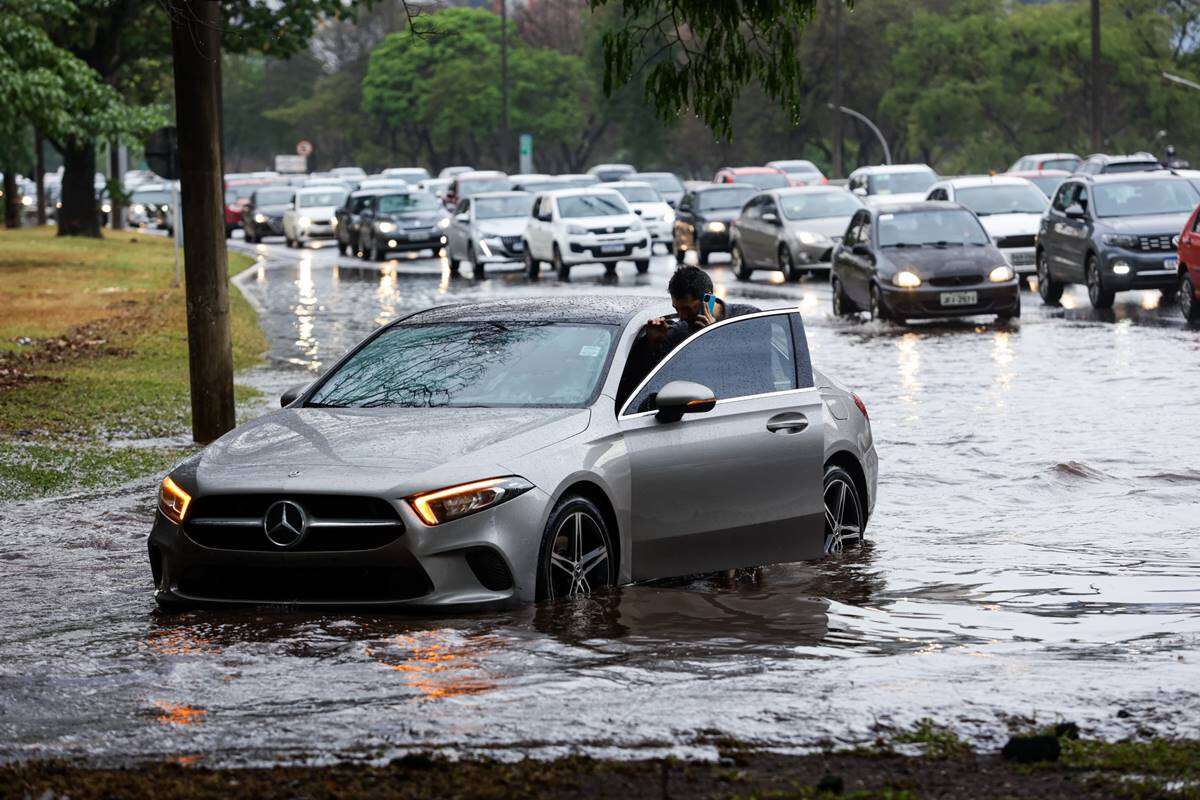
(1033, 558)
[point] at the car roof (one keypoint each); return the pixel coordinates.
(581, 190)
(627, 184)
(480, 173)
(655, 174)
(1047, 156)
(1122, 177)
(824, 188)
(723, 187)
(404, 188)
(923, 205)
(606, 309)
(973, 181)
(750, 170)
(489, 195)
(1035, 173)
(882, 168)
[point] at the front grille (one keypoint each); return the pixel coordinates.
(956, 280)
(489, 568)
(309, 584)
(512, 244)
(1163, 243)
(336, 523)
(1026, 240)
(610, 229)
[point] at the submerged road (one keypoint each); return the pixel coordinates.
(1033, 557)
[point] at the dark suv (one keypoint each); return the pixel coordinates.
(1114, 233)
(703, 218)
(1104, 164)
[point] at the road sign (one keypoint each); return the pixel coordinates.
(304, 147)
(162, 153)
(287, 163)
(526, 152)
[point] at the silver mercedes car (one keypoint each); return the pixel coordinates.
(509, 452)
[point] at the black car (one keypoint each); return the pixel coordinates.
(349, 217)
(263, 213)
(703, 217)
(402, 221)
(921, 261)
(1113, 233)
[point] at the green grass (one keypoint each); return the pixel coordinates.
(129, 377)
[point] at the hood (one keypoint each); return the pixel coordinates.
(998, 225)
(380, 449)
(826, 226)
(504, 226)
(721, 214)
(929, 262)
(655, 210)
(314, 212)
(1147, 225)
(427, 217)
(894, 199)
(273, 210)
(614, 220)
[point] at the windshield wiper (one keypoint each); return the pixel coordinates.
(942, 243)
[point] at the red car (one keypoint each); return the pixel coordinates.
(761, 177)
(237, 194)
(1189, 268)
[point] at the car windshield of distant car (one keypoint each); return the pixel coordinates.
(664, 183)
(1141, 198)
(1130, 166)
(466, 188)
(951, 227)
(900, 182)
(151, 197)
(1069, 164)
(581, 182)
(798, 168)
(1047, 183)
(501, 207)
(817, 205)
(538, 186)
(403, 203)
(639, 194)
(277, 197)
(985, 200)
(725, 199)
(591, 205)
(465, 364)
(318, 199)
(763, 180)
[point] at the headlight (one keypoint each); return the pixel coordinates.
(1120, 267)
(26, 200)
(107, 207)
(576, 230)
(669, 216)
(715, 227)
(304, 222)
(1120, 240)
(443, 223)
(387, 227)
(434, 508)
(808, 237)
(1001, 274)
(906, 280)
(260, 218)
(173, 502)
(138, 208)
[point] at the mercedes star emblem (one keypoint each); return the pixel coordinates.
(285, 523)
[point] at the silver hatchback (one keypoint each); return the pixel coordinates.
(488, 228)
(511, 452)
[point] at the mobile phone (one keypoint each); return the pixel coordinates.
(710, 303)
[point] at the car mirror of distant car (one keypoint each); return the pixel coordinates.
(861, 191)
(291, 395)
(1075, 211)
(683, 397)
(770, 217)
(464, 217)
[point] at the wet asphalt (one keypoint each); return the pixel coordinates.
(1033, 558)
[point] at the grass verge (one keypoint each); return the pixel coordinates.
(93, 350)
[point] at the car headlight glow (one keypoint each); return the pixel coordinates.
(443, 223)
(576, 230)
(107, 207)
(1001, 274)
(387, 227)
(138, 208)
(715, 227)
(454, 502)
(808, 237)
(304, 222)
(906, 279)
(260, 218)
(1120, 267)
(26, 200)
(1120, 240)
(173, 501)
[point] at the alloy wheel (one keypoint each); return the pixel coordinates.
(843, 514)
(1187, 300)
(578, 557)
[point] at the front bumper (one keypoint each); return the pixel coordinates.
(411, 239)
(316, 230)
(501, 249)
(714, 242)
(661, 231)
(818, 255)
(424, 567)
(591, 250)
(1145, 270)
(925, 302)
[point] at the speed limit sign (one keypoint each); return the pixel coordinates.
(304, 147)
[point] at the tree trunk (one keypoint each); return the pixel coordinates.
(12, 199)
(79, 215)
(117, 217)
(39, 176)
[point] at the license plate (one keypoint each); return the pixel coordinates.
(612, 248)
(1021, 259)
(1170, 263)
(959, 298)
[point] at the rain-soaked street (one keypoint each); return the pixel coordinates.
(1032, 557)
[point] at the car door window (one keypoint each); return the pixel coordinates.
(464, 206)
(1062, 197)
(938, 194)
(1081, 196)
(768, 207)
(741, 358)
(752, 210)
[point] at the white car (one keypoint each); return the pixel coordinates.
(488, 228)
(146, 203)
(892, 183)
(407, 174)
(1010, 209)
(311, 215)
(657, 215)
(581, 226)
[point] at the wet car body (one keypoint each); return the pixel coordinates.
(891, 184)
(263, 213)
(481, 232)
(1010, 209)
(775, 231)
(949, 279)
(401, 220)
(317, 505)
(704, 216)
(1189, 268)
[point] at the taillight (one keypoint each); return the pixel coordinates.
(824, 180)
(861, 405)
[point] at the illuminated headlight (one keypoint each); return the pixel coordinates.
(443, 223)
(26, 200)
(260, 218)
(173, 501)
(715, 227)
(1120, 268)
(454, 502)
(1120, 240)
(58, 204)
(304, 222)
(387, 227)
(576, 230)
(808, 237)
(138, 208)
(906, 280)
(107, 207)
(1001, 274)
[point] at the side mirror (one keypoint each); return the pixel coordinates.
(1075, 211)
(861, 191)
(464, 218)
(771, 218)
(290, 396)
(683, 397)
(637, 211)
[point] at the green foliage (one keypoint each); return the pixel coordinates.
(938, 742)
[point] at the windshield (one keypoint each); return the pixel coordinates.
(1131, 166)
(501, 207)
(724, 199)
(465, 364)
(639, 194)
(580, 182)
(591, 205)
(539, 186)
(1069, 164)
(817, 205)
(277, 197)
(763, 180)
(403, 203)
(1047, 183)
(900, 182)
(798, 167)
(1141, 198)
(317, 199)
(470, 186)
(664, 183)
(151, 197)
(951, 227)
(985, 200)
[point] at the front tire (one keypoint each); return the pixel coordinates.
(560, 268)
(787, 264)
(376, 252)
(843, 306)
(879, 309)
(1100, 297)
(642, 266)
(679, 254)
(738, 263)
(845, 519)
(1049, 289)
(533, 267)
(577, 555)
(1188, 305)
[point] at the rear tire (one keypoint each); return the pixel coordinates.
(341, 247)
(478, 270)
(377, 253)
(845, 517)
(454, 262)
(1101, 298)
(577, 556)
(1049, 289)
(737, 262)
(1188, 305)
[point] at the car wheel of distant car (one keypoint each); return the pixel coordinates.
(842, 305)
(1101, 298)
(376, 251)
(737, 262)
(577, 556)
(843, 511)
(679, 254)
(341, 247)
(787, 265)
(1012, 313)
(642, 266)
(1188, 306)
(1049, 289)
(533, 267)
(454, 262)
(670, 246)
(478, 270)
(702, 256)
(560, 269)
(879, 309)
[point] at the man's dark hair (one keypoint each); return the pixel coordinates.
(690, 282)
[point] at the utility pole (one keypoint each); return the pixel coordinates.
(196, 46)
(39, 178)
(839, 170)
(504, 136)
(1097, 134)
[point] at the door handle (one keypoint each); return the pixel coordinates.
(787, 423)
